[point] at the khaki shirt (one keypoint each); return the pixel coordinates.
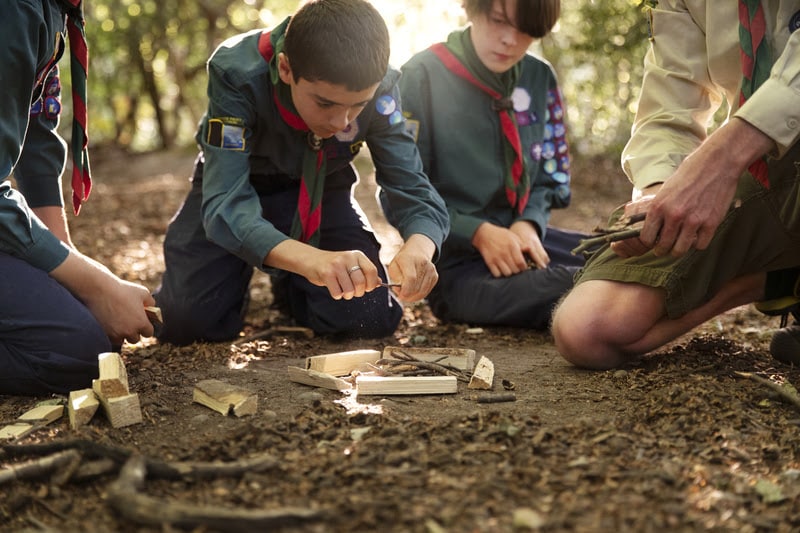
(692, 67)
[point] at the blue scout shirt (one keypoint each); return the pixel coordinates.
(29, 144)
(256, 141)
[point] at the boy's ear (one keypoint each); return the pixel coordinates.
(284, 69)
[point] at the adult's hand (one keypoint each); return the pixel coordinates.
(689, 206)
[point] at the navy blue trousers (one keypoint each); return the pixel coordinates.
(467, 292)
(49, 341)
(203, 292)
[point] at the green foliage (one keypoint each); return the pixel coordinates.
(147, 67)
(147, 64)
(598, 53)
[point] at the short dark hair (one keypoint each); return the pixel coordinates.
(534, 17)
(344, 42)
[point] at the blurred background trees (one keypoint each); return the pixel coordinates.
(147, 65)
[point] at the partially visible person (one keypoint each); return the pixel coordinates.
(489, 122)
(722, 210)
(59, 309)
(289, 108)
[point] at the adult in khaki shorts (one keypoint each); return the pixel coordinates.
(722, 225)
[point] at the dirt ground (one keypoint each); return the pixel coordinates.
(697, 436)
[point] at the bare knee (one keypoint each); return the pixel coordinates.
(575, 340)
(584, 335)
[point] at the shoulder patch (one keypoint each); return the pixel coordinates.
(227, 133)
(412, 127)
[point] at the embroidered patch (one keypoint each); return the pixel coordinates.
(36, 107)
(412, 127)
(395, 118)
(349, 133)
(524, 119)
(52, 107)
(226, 133)
(536, 151)
(385, 105)
(520, 99)
(53, 86)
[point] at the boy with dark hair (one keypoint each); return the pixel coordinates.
(58, 308)
(272, 189)
(489, 124)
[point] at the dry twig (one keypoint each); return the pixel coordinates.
(787, 395)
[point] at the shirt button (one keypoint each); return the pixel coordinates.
(792, 123)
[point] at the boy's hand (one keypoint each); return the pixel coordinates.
(413, 269)
(503, 250)
(531, 243)
(118, 305)
(346, 274)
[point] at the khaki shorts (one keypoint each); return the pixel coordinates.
(762, 234)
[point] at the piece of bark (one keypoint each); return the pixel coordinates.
(225, 398)
(390, 385)
(459, 358)
(113, 379)
(317, 379)
(81, 407)
(341, 363)
(483, 375)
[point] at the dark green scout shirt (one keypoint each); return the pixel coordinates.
(462, 146)
(259, 143)
(33, 41)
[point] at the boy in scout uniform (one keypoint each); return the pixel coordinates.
(58, 308)
(722, 223)
(490, 126)
(272, 189)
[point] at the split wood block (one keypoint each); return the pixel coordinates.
(122, 411)
(460, 358)
(81, 407)
(119, 405)
(389, 385)
(317, 379)
(225, 398)
(39, 416)
(483, 375)
(154, 314)
(113, 380)
(341, 363)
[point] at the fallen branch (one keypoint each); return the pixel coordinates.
(781, 391)
(156, 468)
(38, 467)
(124, 497)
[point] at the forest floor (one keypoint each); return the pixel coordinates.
(692, 437)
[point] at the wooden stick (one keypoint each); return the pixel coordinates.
(614, 236)
(779, 390)
(434, 367)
